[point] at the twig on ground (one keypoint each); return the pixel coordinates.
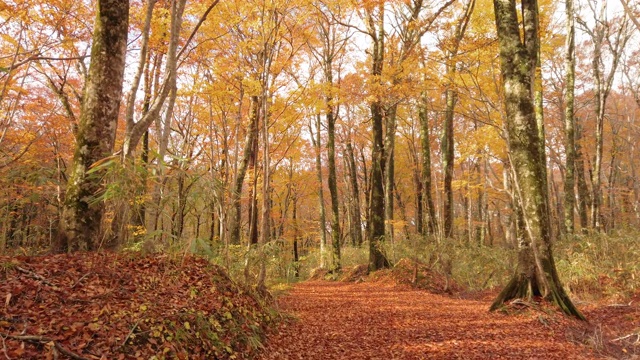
(36, 276)
(41, 340)
(68, 352)
(620, 305)
(4, 348)
(628, 336)
(82, 278)
(130, 332)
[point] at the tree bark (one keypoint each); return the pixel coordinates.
(584, 200)
(425, 175)
(377, 258)
(331, 159)
(323, 233)
(569, 122)
(451, 97)
(603, 37)
(356, 223)
(536, 271)
(83, 209)
(247, 153)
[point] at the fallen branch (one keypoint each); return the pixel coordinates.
(35, 276)
(44, 340)
(620, 305)
(130, 332)
(4, 348)
(81, 278)
(628, 336)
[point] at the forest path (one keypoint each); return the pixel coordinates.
(374, 320)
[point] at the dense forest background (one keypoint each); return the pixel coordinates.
(279, 136)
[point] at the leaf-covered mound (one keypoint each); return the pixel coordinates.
(405, 272)
(119, 306)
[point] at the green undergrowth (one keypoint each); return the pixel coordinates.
(600, 266)
(592, 267)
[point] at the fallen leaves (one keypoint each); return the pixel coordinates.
(381, 320)
(108, 306)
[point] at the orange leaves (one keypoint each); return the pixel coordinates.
(377, 320)
(110, 305)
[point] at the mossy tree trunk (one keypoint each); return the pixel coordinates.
(536, 271)
(83, 209)
(569, 132)
(425, 173)
(377, 259)
(248, 153)
(331, 157)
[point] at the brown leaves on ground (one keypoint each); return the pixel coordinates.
(381, 320)
(119, 306)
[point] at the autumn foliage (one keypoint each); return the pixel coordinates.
(117, 306)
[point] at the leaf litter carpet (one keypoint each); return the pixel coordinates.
(378, 320)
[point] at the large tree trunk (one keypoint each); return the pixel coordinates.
(569, 133)
(425, 176)
(317, 144)
(389, 169)
(377, 258)
(536, 272)
(447, 158)
(82, 211)
(332, 180)
(247, 154)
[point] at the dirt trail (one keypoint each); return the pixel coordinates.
(374, 320)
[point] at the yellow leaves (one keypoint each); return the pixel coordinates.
(483, 141)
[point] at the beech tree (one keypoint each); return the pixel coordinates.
(612, 36)
(569, 122)
(82, 210)
(536, 273)
(451, 99)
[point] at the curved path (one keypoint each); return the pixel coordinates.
(374, 320)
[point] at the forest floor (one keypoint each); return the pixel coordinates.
(103, 306)
(382, 320)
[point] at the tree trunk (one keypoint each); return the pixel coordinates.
(584, 201)
(389, 169)
(425, 176)
(536, 273)
(294, 218)
(82, 211)
(377, 258)
(569, 133)
(247, 154)
(447, 158)
(332, 179)
(356, 223)
(323, 233)
(603, 36)
(451, 97)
